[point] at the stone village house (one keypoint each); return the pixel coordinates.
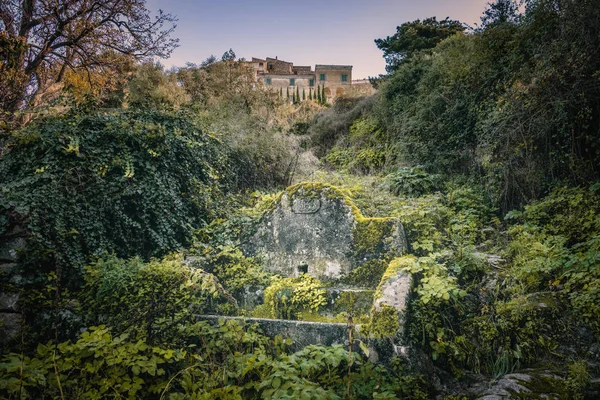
(284, 76)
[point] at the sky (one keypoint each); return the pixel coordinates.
(305, 32)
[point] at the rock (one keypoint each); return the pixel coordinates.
(395, 292)
(8, 268)
(10, 327)
(314, 228)
(525, 384)
(9, 302)
(8, 248)
(503, 387)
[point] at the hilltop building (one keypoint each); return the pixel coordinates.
(283, 75)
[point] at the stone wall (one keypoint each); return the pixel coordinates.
(313, 228)
(10, 314)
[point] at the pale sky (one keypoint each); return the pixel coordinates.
(306, 32)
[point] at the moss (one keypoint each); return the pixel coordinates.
(367, 274)
(317, 189)
(384, 323)
(353, 302)
(395, 266)
(370, 234)
(541, 387)
(261, 311)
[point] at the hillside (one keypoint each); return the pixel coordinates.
(189, 233)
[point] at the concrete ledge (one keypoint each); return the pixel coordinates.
(302, 333)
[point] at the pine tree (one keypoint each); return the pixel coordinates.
(323, 97)
(287, 93)
(310, 94)
(297, 98)
(318, 95)
(280, 93)
(303, 94)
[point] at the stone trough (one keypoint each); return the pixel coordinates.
(315, 229)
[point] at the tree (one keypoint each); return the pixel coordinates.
(318, 95)
(310, 96)
(280, 93)
(229, 55)
(287, 93)
(297, 97)
(303, 94)
(500, 12)
(323, 96)
(412, 37)
(42, 40)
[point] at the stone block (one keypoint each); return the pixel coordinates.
(9, 302)
(314, 228)
(8, 248)
(10, 327)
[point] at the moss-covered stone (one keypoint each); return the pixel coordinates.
(384, 323)
(315, 228)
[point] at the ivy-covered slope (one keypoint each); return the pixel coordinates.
(125, 182)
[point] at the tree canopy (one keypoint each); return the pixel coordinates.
(411, 37)
(42, 40)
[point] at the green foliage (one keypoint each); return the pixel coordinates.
(413, 182)
(234, 270)
(384, 323)
(286, 297)
(226, 360)
(504, 103)
(128, 182)
(362, 150)
(555, 247)
(99, 365)
(154, 297)
(151, 87)
(412, 37)
(367, 274)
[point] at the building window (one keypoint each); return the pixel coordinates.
(268, 81)
(260, 64)
(311, 82)
(344, 78)
(321, 77)
(292, 81)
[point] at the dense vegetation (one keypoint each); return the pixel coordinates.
(135, 187)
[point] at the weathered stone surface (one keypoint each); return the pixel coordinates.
(8, 248)
(10, 327)
(538, 384)
(395, 292)
(314, 228)
(9, 302)
(8, 268)
(302, 333)
(252, 296)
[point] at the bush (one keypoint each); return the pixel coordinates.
(286, 297)
(154, 297)
(126, 182)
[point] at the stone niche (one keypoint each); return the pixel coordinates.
(314, 228)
